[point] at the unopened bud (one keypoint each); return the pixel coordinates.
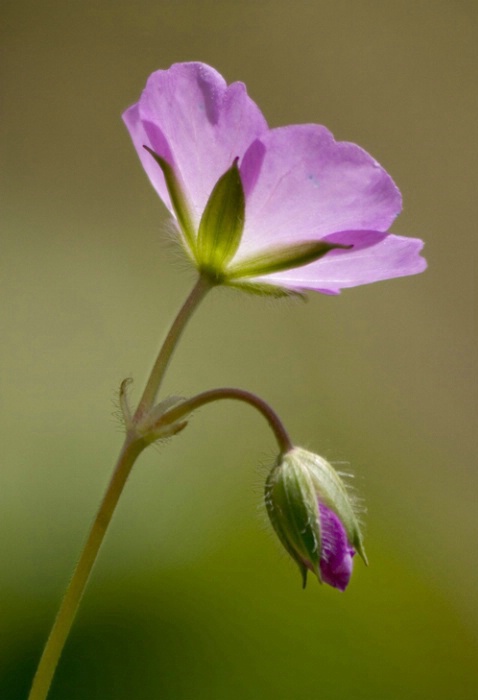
(314, 516)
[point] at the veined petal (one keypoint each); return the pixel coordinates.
(140, 139)
(301, 184)
(198, 124)
(375, 256)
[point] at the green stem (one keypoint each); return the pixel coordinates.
(74, 592)
(200, 289)
(132, 448)
(185, 408)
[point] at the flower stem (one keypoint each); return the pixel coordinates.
(280, 433)
(132, 448)
(74, 592)
(200, 289)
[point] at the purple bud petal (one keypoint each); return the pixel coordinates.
(336, 556)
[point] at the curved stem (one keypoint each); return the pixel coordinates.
(269, 414)
(74, 592)
(132, 447)
(199, 291)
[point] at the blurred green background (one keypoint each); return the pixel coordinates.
(192, 597)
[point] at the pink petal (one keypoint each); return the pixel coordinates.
(190, 117)
(139, 137)
(374, 257)
(302, 185)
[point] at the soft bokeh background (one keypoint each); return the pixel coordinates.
(192, 597)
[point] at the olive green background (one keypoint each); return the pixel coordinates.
(192, 597)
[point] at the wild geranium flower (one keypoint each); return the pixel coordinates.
(314, 516)
(285, 209)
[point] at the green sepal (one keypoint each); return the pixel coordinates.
(264, 290)
(333, 494)
(178, 200)
(284, 258)
(151, 427)
(222, 223)
(124, 404)
(292, 506)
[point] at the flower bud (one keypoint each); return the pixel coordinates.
(313, 515)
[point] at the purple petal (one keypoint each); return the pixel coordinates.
(374, 257)
(336, 557)
(302, 185)
(139, 137)
(199, 124)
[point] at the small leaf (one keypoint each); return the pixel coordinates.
(123, 402)
(178, 200)
(284, 258)
(222, 223)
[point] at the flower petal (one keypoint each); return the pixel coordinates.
(336, 556)
(375, 256)
(302, 185)
(140, 139)
(190, 117)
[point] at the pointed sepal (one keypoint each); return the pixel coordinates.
(152, 428)
(282, 258)
(222, 224)
(292, 506)
(332, 493)
(178, 199)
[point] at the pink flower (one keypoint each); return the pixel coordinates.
(306, 212)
